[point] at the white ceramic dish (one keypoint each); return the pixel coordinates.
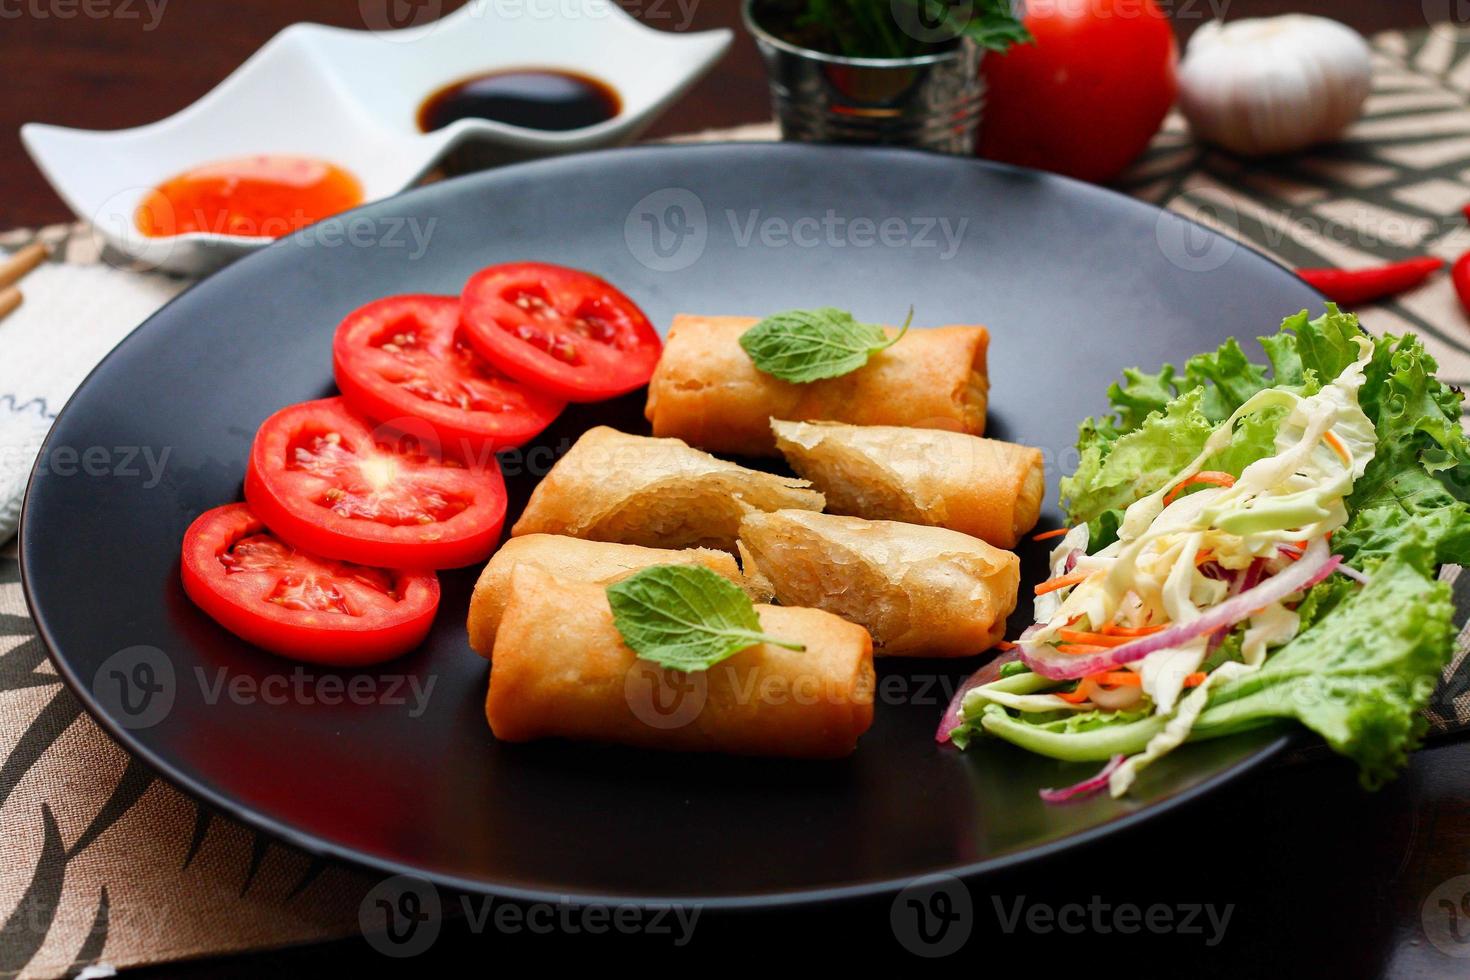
(351, 97)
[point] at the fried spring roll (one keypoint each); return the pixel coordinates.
(708, 392)
(575, 560)
(561, 669)
(659, 493)
(985, 488)
(921, 591)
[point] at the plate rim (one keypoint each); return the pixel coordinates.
(782, 898)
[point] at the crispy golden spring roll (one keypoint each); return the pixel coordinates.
(560, 669)
(985, 488)
(921, 591)
(708, 392)
(576, 560)
(659, 493)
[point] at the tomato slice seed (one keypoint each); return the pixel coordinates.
(304, 582)
(370, 485)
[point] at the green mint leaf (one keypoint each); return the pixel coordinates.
(809, 345)
(685, 617)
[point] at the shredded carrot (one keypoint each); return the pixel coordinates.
(1115, 630)
(1331, 439)
(1204, 555)
(1045, 535)
(1116, 678)
(1094, 639)
(1061, 582)
(1072, 697)
(1195, 679)
(1212, 477)
(1005, 645)
(1081, 648)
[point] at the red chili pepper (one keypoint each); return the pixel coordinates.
(1460, 276)
(1353, 286)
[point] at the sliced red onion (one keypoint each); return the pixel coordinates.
(1072, 557)
(1087, 787)
(1313, 567)
(986, 674)
(1253, 574)
(1216, 571)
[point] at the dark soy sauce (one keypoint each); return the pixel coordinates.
(536, 98)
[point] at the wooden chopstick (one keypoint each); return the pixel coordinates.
(15, 267)
(10, 300)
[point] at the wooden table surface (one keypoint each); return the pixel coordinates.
(1320, 878)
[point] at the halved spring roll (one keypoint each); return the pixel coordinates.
(708, 392)
(985, 488)
(659, 493)
(560, 669)
(920, 591)
(576, 560)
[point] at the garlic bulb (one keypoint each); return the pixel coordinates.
(1273, 84)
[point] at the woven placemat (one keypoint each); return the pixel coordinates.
(104, 862)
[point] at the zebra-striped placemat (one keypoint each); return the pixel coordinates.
(106, 863)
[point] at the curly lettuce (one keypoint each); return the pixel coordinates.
(1366, 660)
(1419, 477)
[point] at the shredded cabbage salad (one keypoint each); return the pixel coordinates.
(1246, 548)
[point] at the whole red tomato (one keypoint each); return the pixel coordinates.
(1088, 95)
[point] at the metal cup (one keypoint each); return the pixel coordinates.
(931, 101)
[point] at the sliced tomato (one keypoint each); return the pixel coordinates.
(406, 356)
(562, 330)
(325, 480)
(300, 605)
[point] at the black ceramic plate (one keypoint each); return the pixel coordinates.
(1075, 284)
